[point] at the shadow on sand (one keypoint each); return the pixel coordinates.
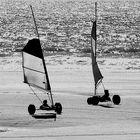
(106, 106)
(45, 116)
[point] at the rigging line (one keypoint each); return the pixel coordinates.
(49, 97)
(36, 94)
(48, 93)
(103, 85)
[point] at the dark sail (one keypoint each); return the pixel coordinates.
(96, 71)
(34, 68)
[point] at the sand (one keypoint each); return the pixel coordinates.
(71, 86)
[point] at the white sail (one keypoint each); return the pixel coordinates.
(34, 69)
(96, 71)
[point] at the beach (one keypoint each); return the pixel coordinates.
(64, 30)
(71, 86)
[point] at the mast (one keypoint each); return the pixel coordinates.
(47, 78)
(95, 41)
(95, 69)
(34, 21)
(96, 27)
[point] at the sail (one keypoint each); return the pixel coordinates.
(34, 68)
(96, 71)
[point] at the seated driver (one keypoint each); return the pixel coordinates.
(106, 96)
(45, 105)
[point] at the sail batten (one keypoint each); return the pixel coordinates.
(34, 68)
(96, 71)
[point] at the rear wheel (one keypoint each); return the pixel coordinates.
(89, 100)
(95, 100)
(31, 109)
(116, 99)
(58, 108)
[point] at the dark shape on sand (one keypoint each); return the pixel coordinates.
(36, 76)
(95, 99)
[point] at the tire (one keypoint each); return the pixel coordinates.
(58, 108)
(95, 100)
(31, 109)
(89, 100)
(116, 99)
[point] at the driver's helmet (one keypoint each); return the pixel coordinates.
(45, 102)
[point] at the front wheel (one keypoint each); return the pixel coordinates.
(31, 109)
(116, 99)
(95, 100)
(58, 108)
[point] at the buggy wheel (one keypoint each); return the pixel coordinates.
(58, 108)
(116, 99)
(95, 100)
(31, 109)
(89, 100)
